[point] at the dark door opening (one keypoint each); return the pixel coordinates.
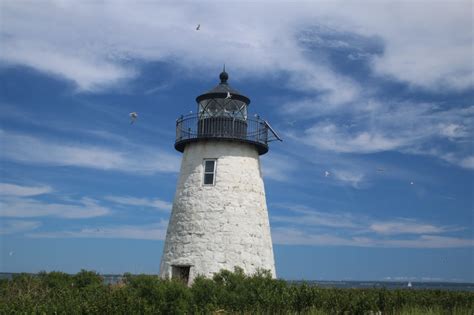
(180, 273)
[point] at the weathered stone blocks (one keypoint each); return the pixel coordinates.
(221, 226)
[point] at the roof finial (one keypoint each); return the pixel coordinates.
(224, 76)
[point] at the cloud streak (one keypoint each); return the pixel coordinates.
(293, 236)
(141, 202)
(7, 189)
(306, 226)
(106, 37)
(155, 231)
(303, 215)
(39, 151)
(406, 227)
(17, 226)
(27, 208)
(279, 167)
(424, 129)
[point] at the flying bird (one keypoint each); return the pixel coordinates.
(379, 169)
(10, 254)
(133, 117)
(326, 173)
(411, 183)
(228, 95)
(198, 27)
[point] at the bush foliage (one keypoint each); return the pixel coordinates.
(226, 293)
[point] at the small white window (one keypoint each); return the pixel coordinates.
(209, 171)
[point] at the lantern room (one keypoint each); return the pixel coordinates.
(223, 101)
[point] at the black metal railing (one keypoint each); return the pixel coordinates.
(194, 127)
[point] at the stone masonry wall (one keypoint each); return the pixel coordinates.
(221, 226)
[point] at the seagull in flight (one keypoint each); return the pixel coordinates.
(198, 27)
(133, 117)
(326, 173)
(228, 95)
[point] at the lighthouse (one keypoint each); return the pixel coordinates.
(219, 218)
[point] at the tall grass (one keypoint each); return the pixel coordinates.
(226, 293)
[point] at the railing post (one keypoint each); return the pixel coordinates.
(200, 126)
(178, 134)
(257, 131)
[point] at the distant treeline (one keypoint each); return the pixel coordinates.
(226, 293)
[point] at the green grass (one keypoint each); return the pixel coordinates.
(227, 293)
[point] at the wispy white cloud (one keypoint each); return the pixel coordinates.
(435, 241)
(32, 150)
(467, 162)
(7, 189)
(460, 158)
(406, 227)
(279, 167)
(328, 136)
(93, 59)
(87, 71)
(107, 36)
(17, 201)
(26, 207)
(306, 226)
(404, 127)
(144, 202)
(17, 226)
(426, 62)
(453, 130)
(353, 178)
(293, 236)
(156, 231)
(422, 241)
(303, 215)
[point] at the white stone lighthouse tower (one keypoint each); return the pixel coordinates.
(219, 218)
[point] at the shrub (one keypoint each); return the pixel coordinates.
(227, 292)
(86, 278)
(55, 279)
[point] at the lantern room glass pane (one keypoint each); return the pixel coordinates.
(236, 109)
(222, 107)
(213, 108)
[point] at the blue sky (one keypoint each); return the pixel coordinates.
(374, 101)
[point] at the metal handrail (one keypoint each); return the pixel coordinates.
(194, 126)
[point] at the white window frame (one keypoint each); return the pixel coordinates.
(213, 172)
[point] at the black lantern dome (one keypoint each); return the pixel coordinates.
(222, 115)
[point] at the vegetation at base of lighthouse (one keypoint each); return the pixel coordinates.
(226, 293)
